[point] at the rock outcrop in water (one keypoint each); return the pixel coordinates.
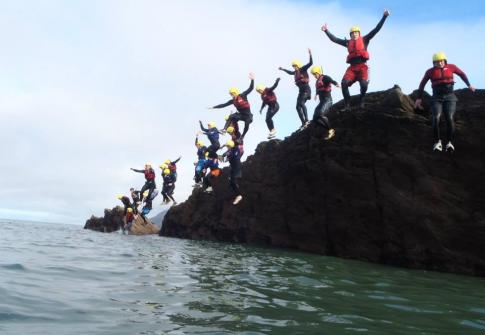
(113, 221)
(376, 192)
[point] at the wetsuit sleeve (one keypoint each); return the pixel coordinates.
(336, 39)
(307, 66)
(374, 31)
(275, 84)
(196, 140)
(250, 88)
(176, 161)
(139, 171)
(288, 71)
(205, 130)
(225, 104)
(427, 76)
(460, 73)
(263, 104)
(329, 79)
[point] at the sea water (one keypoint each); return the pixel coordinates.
(60, 279)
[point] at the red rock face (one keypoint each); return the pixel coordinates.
(375, 192)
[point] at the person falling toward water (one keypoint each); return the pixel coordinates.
(126, 203)
(233, 155)
(212, 171)
(212, 134)
(300, 73)
(201, 157)
(240, 101)
(357, 58)
(169, 180)
(149, 179)
(323, 88)
(129, 218)
(269, 99)
(443, 99)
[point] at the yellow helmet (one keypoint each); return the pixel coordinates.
(206, 154)
(211, 124)
(439, 56)
(163, 166)
(230, 130)
(119, 196)
(316, 70)
(297, 63)
(353, 29)
(234, 91)
(230, 144)
(129, 210)
(148, 164)
(200, 143)
(166, 172)
(167, 162)
(260, 88)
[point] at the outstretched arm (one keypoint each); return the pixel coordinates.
(310, 62)
(332, 37)
(462, 75)
(225, 104)
(275, 84)
(263, 104)
(374, 31)
(139, 171)
(287, 71)
(177, 160)
(250, 88)
(202, 127)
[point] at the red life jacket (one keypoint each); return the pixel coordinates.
(149, 174)
(356, 48)
(268, 96)
(241, 103)
(301, 78)
(441, 76)
(130, 217)
(322, 86)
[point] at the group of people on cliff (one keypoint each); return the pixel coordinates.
(207, 166)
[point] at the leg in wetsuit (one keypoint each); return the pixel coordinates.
(246, 117)
(236, 175)
(444, 104)
(303, 95)
(355, 72)
(321, 111)
(150, 186)
(272, 110)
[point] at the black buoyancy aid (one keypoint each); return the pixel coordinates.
(356, 48)
(321, 86)
(301, 77)
(268, 96)
(441, 76)
(241, 103)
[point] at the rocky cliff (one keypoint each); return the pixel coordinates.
(376, 192)
(113, 221)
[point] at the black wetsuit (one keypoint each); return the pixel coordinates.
(243, 114)
(325, 97)
(357, 60)
(305, 92)
(149, 183)
(135, 195)
(126, 203)
(213, 136)
(168, 187)
(234, 156)
(273, 108)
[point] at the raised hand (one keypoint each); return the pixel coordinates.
(251, 75)
(324, 27)
(310, 51)
(386, 12)
(471, 88)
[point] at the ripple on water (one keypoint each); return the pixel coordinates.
(14, 267)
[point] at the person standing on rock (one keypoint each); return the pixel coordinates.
(233, 155)
(199, 165)
(357, 58)
(213, 171)
(443, 99)
(212, 134)
(300, 73)
(323, 87)
(269, 98)
(168, 186)
(149, 178)
(240, 101)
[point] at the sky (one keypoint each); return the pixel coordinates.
(91, 88)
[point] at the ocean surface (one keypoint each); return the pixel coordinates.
(61, 279)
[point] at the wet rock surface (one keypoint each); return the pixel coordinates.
(375, 192)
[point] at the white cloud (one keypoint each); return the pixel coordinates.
(89, 90)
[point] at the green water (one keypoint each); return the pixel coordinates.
(60, 279)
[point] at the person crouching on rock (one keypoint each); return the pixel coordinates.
(323, 87)
(240, 101)
(129, 218)
(357, 58)
(213, 171)
(269, 98)
(212, 134)
(233, 155)
(443, 100)
(149, 178)
(201, 157)
(169, 180)
(302, 79)
(126, 203)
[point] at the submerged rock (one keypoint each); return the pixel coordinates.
(113, 221)
(376, 192)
